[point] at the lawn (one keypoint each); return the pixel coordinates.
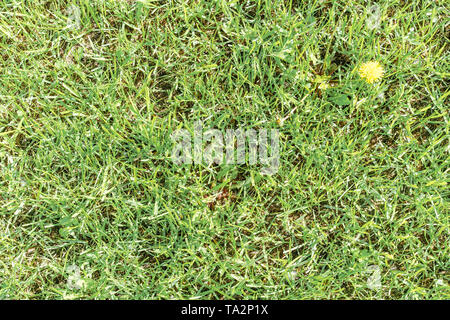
(92, 206)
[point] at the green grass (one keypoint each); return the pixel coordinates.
(86, 179)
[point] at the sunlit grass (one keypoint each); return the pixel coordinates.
(90, 93)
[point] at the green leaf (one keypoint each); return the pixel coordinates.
(341, 100)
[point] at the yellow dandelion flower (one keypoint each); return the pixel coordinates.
(371, 71)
